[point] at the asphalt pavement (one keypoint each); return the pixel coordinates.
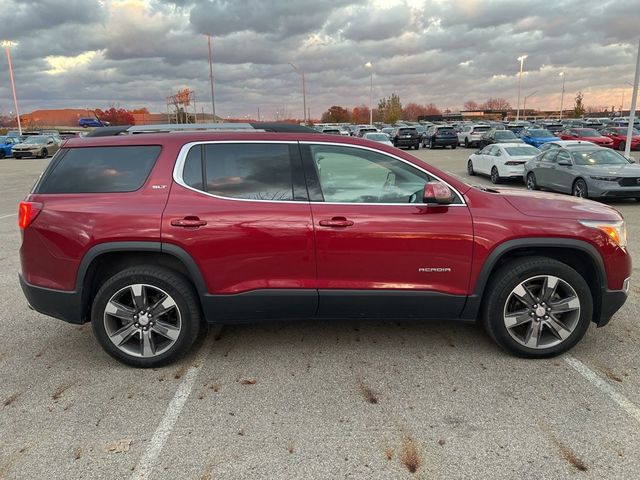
(380, 400)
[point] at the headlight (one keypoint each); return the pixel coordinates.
(606, 179)
(616, 231)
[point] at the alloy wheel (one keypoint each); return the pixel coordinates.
(531, 182)
(142, 320)
(542, 312)
(580, 189)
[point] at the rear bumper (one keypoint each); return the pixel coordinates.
(59, 304)
(406, 142)
(446, 141)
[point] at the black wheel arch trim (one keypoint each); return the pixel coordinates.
(472, 306)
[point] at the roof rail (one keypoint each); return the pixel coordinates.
(196, 127)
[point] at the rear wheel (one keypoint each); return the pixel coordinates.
(466, 143)
(470, 169)
(531, 181)
(580, 189)
(432, 145)
(537, 307)
(2, 154)
(453, 147)
(417, 146)
(146, 316)
(495, 175)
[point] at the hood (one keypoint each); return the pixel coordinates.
(597, 139)
(623, 170)
(28, 145)
(552, 205)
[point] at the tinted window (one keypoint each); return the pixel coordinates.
(354, 175)
(515, 151)
(598, 157)
(407, 131)
(504, 135)
(549, 156)
(100, 169)
(250, 171)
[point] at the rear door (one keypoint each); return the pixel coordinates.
(241, 211)
(544, 169)
(380, 251)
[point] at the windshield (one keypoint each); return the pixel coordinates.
(407, 131)
(587, 132)
(36, 139)
(524, 150)
(598, 157)
(542, 133)
(4, 139)
(380, 137)
(505, 134)
(445, 129)
(420, 128)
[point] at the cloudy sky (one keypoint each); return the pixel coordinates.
(133, 53)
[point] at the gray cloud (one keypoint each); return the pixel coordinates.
(433, 51)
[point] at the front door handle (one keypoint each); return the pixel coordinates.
(188, 222)
(339, 222)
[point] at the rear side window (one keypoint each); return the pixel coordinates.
(234, 170)
(100, 169)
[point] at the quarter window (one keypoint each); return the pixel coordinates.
(240, 170)
(353, 175)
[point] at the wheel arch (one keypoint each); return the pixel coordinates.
(106, 259)
(578, 254)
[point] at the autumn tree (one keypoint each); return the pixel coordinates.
(496, 104)
(431, 109)
(335, 114)
(578, 106)
(412, 111)
(391, 108)
(360, 114)
(115, 116)
(471, 105)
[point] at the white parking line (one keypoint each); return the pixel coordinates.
(149, 458)
(622, 401)
(7, 216)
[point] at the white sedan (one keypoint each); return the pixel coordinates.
(501, 160)
(378, 137)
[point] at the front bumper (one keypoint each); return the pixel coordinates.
(612, 301)
(603, 189)
(59, 304)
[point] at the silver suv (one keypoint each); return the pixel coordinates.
(470, 135)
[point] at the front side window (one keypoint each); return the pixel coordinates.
(237, 170)
(354, 175)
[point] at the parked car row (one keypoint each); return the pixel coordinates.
(40, 146)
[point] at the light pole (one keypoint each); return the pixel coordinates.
(632, 108)
(369, 65)
(521, 60)
(304, 92)
(562, 94)
(213, 103)
(524, 107)
(7, 44)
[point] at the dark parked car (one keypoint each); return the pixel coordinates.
(440, 136)
(150, 237)
(586, 171)
(498, 136)
(406, 137)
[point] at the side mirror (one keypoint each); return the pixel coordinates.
(564, 163)
(437, 193)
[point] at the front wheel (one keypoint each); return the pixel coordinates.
(146, 316)
(580, 189)
(45, 153)
(537, 307)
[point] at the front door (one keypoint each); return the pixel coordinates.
(381, 252)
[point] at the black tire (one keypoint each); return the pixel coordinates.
(507, 278)
(176, 286)
(417, 146)
(2, 154)
(466, 143)
(531, 182)
(470, 169)
(495, 176)
(432, 144)
(580, 189)
(454, 146)
(622, 145)
(45, 153)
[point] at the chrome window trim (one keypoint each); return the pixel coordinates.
(184, 150)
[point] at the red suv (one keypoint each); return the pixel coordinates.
(152, 236)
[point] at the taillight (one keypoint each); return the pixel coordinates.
(27, 212)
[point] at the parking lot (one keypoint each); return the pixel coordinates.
(314, 399)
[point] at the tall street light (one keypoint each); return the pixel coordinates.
(369, 65)
(524, 108)
(521, 60)
(7, 44)
(304, 92)
(562, 94)
(213, 103)
(632, 108)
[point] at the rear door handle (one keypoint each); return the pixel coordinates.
(339, 222)
(188, 222)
